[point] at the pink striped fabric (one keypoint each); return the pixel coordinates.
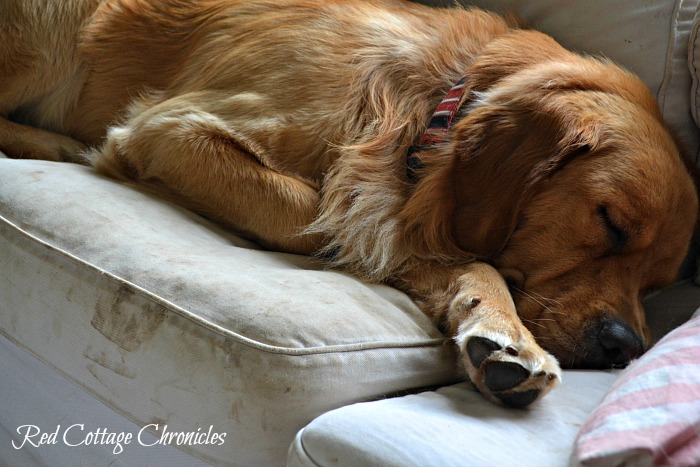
(651, 415)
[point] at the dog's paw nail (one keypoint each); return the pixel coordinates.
(478, 348)
(500, 376)
(519, 399)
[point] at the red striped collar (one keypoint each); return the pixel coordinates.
(438, 127)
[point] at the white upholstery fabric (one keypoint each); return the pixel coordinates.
(34, 394)
(168, 319)
(452, 426)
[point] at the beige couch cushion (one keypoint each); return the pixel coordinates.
(452, 426)
(169, 320)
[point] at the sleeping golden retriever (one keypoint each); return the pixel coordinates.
(525, 197)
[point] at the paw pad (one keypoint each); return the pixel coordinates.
(506, 381)
(479, 348)
(504, 375)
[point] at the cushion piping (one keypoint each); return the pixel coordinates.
(292, 351)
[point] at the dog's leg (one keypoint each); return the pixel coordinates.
(195, 157)
(500, 355)
(24, 142)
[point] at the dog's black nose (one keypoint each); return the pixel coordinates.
(612, 343)
(619, 342)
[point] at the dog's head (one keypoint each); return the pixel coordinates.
(566, 179)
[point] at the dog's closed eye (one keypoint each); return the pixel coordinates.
(617, 235)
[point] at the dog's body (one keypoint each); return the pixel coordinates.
(290, 121)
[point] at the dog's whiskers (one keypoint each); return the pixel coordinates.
(546, 299)
(533, 322)
(535, 295)
(539, 299)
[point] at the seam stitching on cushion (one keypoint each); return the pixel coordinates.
(304, 451)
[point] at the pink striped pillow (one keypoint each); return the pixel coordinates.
(651, 415)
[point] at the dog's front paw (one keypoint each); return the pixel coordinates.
(499, 354)
(510, 373)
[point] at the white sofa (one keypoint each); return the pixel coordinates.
(121, 313)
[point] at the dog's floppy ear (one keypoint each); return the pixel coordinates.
(503, 154)
(536, 63)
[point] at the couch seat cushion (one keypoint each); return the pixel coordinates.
(170, 320)
(452, 426)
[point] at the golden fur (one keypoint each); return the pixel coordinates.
(559, 192)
